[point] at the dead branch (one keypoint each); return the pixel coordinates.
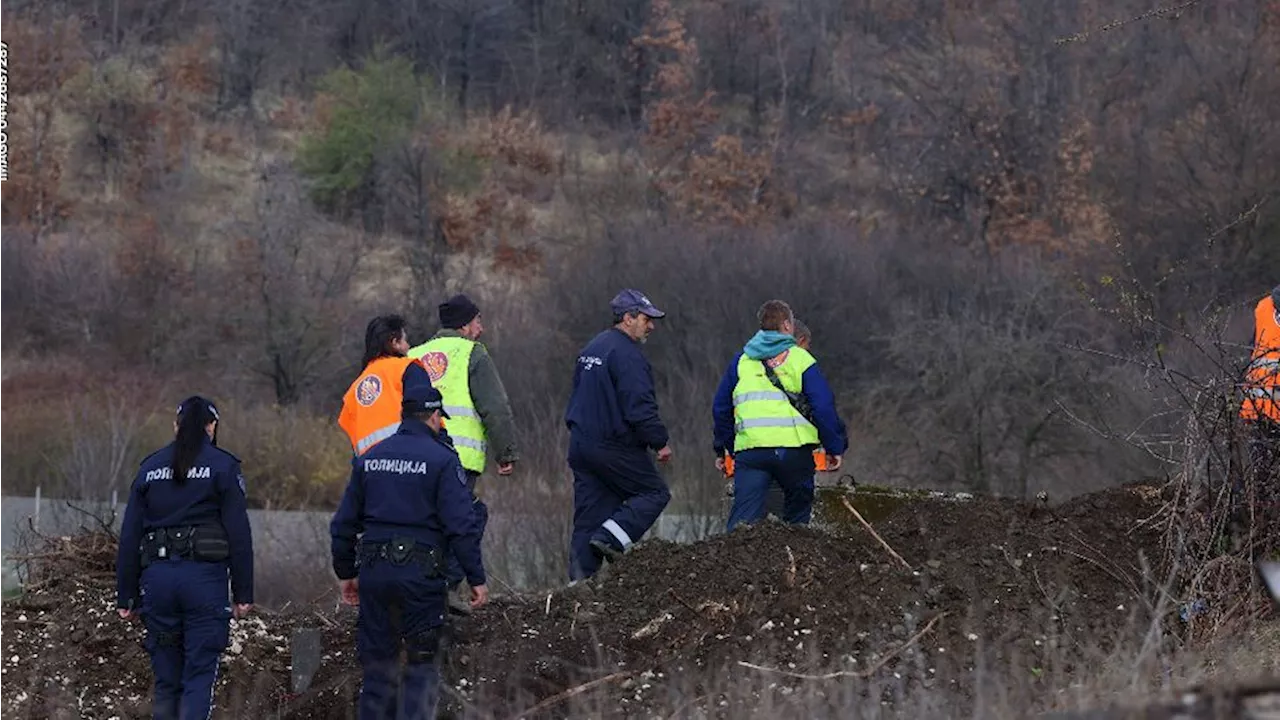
(573, 692)
(873, 532)
(853, 673)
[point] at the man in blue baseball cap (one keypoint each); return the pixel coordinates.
(613, 423)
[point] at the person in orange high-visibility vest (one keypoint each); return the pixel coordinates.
(1260, 407)
(371, 407)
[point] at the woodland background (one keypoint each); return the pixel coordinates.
(1008, 224)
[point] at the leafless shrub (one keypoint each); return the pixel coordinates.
(295, 273)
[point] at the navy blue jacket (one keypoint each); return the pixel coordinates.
(613, 399)
(831, 430)
(409, 485)
(212, 494)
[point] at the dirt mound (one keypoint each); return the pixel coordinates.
(670, 628)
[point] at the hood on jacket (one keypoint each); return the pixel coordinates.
(768, 343)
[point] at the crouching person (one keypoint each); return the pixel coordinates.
(409, 497)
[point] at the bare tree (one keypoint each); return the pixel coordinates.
(297, 272)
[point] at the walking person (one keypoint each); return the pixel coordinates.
(408, 502)
(371, 405)
(185, 532)
(480, 417)
(613, 424)
(775, 500)
(773, 408)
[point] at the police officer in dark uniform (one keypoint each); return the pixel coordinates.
(185, 528)
(409, 497)
(613, 423)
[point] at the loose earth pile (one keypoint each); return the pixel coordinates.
(747, 622)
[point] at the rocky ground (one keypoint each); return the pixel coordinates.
(981, 604)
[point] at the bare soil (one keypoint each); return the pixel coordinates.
(668, 628)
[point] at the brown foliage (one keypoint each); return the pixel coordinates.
(43, 53)
(729, 183)
(33, 197)
(187, 69)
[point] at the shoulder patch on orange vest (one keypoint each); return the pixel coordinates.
(369, 390)
(436, 364)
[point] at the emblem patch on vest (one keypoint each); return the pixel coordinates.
(776, 361)
(436, 363)
(369, 390)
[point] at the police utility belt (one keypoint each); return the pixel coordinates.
(202, 543)
(402, 551)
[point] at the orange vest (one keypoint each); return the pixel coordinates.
(371, 407)
(1262, 380)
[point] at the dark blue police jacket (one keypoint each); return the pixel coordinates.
(409, 485)
(212, 494)
(613, 399)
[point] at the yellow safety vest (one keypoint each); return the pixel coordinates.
(763, 417)
(448, 362)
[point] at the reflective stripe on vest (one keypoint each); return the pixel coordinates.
(1262, 380)
(763, 417)
(448, 362)
(375, 437)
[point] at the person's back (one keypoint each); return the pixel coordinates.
(772, 410)
(407, 505)
(185, 531)
(371, 406)
(612, 397)
(402, 479)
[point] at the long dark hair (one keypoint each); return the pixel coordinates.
(194, 414)
(378, 336)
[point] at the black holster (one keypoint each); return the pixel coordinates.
(204, 543)
(401, 551)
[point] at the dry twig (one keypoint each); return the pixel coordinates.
(873, 532)
(573, 691)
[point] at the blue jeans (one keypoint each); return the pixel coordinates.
(399, 604)
(187, 613)
(453, 571)
(618, 495)
(758, 468)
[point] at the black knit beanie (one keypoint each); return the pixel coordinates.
(457, 311)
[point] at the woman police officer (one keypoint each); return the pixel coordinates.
(186, 528)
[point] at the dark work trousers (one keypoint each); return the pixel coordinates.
(775, 501)
(618, 495)
(453, 573)
(756, 469)
(399, 604)
(187, 612)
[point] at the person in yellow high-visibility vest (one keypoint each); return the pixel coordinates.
(775, 501)
(772, 410)
(480, 418)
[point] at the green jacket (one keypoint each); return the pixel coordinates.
(493, 406)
